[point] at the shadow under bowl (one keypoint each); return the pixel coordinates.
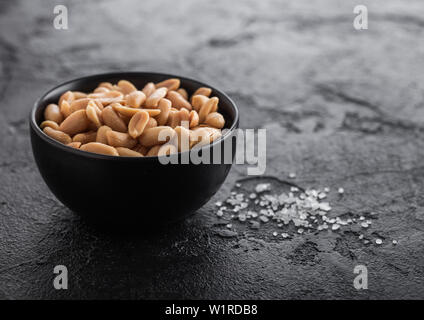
(124, 190)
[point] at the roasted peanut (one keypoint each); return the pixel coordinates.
(198, 101)
(129, 112)
(125, 152)
(75, 145)
(49, 123)
(141, 149)
(170, 84)
(215, 119)
(135, 99)
(173, 118)
(112, 120)
(101, 90)
(206, 108)
(65, 108)
(107, 97)
(79, 104)
(138, 123)
(203, 91)
(178, 101)
(120, 139)
(183, 138)
(94, 114)
(154, 98)
(151, 123)
(126, 87)
(156, 135)
(85, 137)
(101, 134)
(193, 119)
(149, 89)
(100, 148)
(77, 122)
(184, 116)
(106, 85)
(164, 107)
(57, 135)
(183, 93)
(52, 112)
(67, 96)
(153, 152)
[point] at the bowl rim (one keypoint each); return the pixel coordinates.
(42, 135)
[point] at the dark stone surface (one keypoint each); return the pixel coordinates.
(342, 108)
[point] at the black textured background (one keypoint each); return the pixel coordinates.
(343, 108)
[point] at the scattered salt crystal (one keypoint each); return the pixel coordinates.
(335, 227)
(325, 206)
(219, 213)
(238, 185)
(361, 236)
(229, 226)
(252, 196)
(378, 241)
(361, 218)
(326, 189)
(218, 203)
(322, 195)
(292, 175)
(340, 190)
(294, 189)
(275, 234)
(364, 225)
(395, 242)
(300, 230)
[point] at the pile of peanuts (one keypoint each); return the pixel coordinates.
(120, 120)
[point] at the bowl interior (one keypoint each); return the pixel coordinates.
(87, 84)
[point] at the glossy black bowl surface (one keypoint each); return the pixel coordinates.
(124, 190)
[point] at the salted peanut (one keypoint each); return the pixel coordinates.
(206, 108)
(215, 119)
(183, 138)
(149, 89)
(138, 123)
(167, 149)
(100, 148)
(75, 145)
(198, 101)
(153, 151)
(156, 135)
(125, 152)
(101, 134)
(101, 90)
(164, 107)
(106, 85)
(151, 123)
(113, 120)
(79, 95)
(49, 123)
(108, 97)
(57, 135)
(129, 112)
(173, 118)
(203, 136)
(193, 119)
(77, 122)
(154, 98)
(141, 149)
(94, 114)
(135, 99)
(126, 87)
(178, 101)
(85, 137)
(98, 104)
(184, 116)
(79, 104)
(170, 84)
(120, 139)
(183, 93)
(67, 96)
(65, 108)
(52, 112)
(203, 91)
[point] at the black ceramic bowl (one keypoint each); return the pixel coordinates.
(124, 190)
